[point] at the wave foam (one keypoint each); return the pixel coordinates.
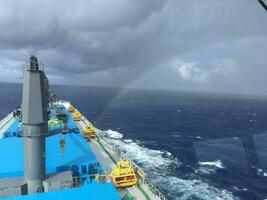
(216, 163)
(112, 134)
(192, 189)
(160, 165)
(205, 170)
(144, 156)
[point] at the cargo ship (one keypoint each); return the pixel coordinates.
(49, 150)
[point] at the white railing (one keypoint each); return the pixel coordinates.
(4, 121)
(155, 191)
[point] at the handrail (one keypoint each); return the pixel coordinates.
(156, 192)
(5, 120)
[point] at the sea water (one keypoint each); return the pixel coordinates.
(192, 145)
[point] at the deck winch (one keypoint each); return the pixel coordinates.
(70, 109)
(89, 132)
(76, 116)
(123, 175)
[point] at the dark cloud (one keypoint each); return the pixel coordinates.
(203, 45)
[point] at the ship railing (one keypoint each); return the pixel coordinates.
(4, 121)
(141, 174)
(156, 192)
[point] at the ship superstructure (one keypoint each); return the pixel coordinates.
(45, 154)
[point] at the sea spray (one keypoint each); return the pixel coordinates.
(158, 165)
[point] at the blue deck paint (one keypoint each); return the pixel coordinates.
(92, 191)
(75, 153)
(11, 157)
(13, 129)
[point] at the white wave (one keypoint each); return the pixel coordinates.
(216, 163)
(112, 134)
(1, 136)
(261, 172)
(192, 189)
(159, 165)
(210, 167)
(239, 189)
(205, 170)
(144, 156)
(176, 135)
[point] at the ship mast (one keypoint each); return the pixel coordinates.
(34, 125)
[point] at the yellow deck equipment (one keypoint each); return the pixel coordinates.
(123, 175)
(76, 116)
(54, 122)
(71, 109)
(89, 132)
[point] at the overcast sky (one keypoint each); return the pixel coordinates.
(202, 45)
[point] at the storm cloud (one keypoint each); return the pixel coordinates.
(207, 45)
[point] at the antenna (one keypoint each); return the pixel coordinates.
(263, 4)
(34, 65)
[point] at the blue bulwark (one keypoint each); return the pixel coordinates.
(92, 191)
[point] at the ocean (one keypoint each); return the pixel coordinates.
(193, 146)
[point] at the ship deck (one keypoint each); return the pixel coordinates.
(77, 152)
(107, 156)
